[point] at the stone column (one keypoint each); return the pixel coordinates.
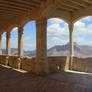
(41, 66)
(71, 51)
(8, 49)
(20, 41)
(0, 44)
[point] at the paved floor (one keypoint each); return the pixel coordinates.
(16, 81)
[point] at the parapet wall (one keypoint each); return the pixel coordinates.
(82, 64)
(56, 64)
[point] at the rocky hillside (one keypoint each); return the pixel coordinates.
(61, 50)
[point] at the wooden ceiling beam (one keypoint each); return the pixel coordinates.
(78, 3)
(15, 5)
(69, 5)
(21, 2)
(12, 7)
(65, 8)
(6, 9)
(88, 1)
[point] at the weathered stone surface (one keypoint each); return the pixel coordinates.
(56, 64)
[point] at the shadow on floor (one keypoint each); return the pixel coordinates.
(14, 81)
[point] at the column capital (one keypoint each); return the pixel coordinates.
(20, 30)
(8, 33)
(1, 34)
(71, 26)
(41, 21)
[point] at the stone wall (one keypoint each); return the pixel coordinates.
(82, 64)
(56, 64)
(13, 61)
(3, 59)
(27, 63)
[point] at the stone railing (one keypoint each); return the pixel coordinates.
(82, 64)
(56, 64)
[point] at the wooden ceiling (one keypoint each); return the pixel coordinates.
(73, 5)
(11, 9)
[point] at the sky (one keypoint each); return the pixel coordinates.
(57, 33)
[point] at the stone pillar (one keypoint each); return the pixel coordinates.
(41, 66)
(71, 51)
(8, 49)
(0, 44)
(20, 41)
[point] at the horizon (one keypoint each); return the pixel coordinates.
(52, 47)
(57, 33)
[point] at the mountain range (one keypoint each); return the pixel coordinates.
(60, 50)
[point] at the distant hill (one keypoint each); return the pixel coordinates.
(61, 50)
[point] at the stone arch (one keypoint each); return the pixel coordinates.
(60, 34)
(82, 35)
(30, 36)
(14, 40)
(4, 43)
(82, 13)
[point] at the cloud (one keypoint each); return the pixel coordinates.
(83, 41)
(57, 30)
(29, 47)
(56, 41)
(15, 29)
(79, 24)
(55, 21)
(87, 19)
(80, 28)
(59, 41)
(27, 39)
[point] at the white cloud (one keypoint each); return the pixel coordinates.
(29, 47)
(57, 30)
(55, 21)
(86, 18)
(15, 29)
(59, 41)
(83, 41)
(27, 39)
(56, 41)
(81, 28)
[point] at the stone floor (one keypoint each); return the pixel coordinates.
(15, 81)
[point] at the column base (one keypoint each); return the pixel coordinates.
(41, 67)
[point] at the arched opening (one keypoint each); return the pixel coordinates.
(4, 43)
(14, 41)
(30, 39)
(57, 37)
(83, 37)
(83, 45)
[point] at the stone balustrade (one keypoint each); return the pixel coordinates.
(56, 64)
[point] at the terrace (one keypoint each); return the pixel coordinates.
(54, 71)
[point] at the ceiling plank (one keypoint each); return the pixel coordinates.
(88, 1)
(69, 5)
(78, 3)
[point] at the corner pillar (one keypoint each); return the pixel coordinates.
(20, 41)
(41, 66)
(8, 49)
(0, 44)
(71, 47)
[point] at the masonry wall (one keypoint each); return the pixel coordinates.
(82, 64)
(56, 64)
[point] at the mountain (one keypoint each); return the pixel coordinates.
(60, 50)
(63, 50)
